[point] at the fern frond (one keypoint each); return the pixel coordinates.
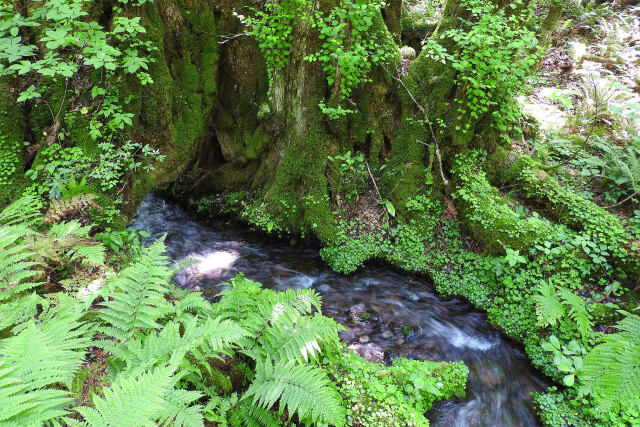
(188, 302)
(220, 408)
(178, 412)
(611, 371)
(68, 230)
(75, 206)
(303, 301)
(21, 310)
(300, 389)
(17, 262)
(89, 255)
(287, 306)
(23, 405)
(135, 300)
(33, 363)
(71, 239)
(74, 237)
(247, 415)
(219, 334)
(577, 310)
(548, 306)
(63, 323)
(131, 401)
(207, 338)
(299, 341)
(239, 302)
(25, 210)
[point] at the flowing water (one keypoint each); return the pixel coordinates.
(405, 318)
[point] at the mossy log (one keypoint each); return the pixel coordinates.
(572, 210)
(489, 217)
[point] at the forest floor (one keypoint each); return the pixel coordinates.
(586, 102)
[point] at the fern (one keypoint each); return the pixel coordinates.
(577, 311)
(187, 303)
(75, 206)
(219, 409)
(298, 341)
(178, 409)
(551, 304)
(548, 306)
(131, 401)
(23, 251)
(20, 310)
(24, 211)
(286, 307)
(144, 400)
(248, 415)
(211, 337)
(611, 371)
(239, 303)
(619, 165)
(300, 389)
(89, 255)
(135, 300)
(73, 239)
(34, 362)
(302, 301)
(16, 262)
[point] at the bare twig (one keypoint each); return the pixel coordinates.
(437, 151)
(444, 180)
(624, 200)
(374, 181)
(229, 37)
(427, 121)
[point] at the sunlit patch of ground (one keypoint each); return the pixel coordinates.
(593, 65)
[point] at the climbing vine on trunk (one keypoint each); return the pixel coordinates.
(350, 46)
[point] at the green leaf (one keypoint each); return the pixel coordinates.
(569, 380)
(390, 208)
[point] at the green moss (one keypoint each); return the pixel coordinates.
(41, 116)
(76, 129)
(300, 182)
(11, 170)
(574, 211)
(412, 23)
(173, 113)
(218, 381)
(488, 215)
(405, 175)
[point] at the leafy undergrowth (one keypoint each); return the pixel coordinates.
(131, 349)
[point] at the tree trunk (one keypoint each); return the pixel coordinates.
(210, 111)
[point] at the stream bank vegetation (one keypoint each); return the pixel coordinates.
(490, 145)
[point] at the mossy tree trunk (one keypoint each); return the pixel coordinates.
(275, 145)
(211, 112)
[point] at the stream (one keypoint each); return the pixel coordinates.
(403, 315)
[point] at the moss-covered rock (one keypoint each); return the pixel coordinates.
(398, 395)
